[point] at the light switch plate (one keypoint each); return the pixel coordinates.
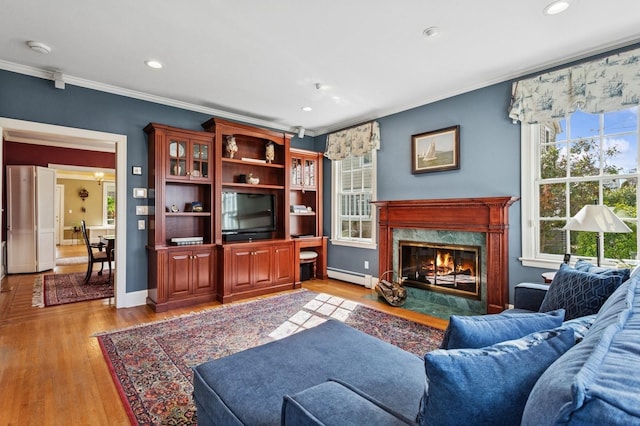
(142, 210)
(139, 192)
(141, 224)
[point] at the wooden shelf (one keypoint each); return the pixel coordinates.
(250, 185)
(251, 163)
(184, 214)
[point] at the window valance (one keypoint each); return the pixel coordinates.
(354, 141)
(607, 84)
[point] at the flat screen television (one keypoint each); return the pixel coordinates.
(245, 213)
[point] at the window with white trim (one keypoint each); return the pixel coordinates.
(353, 188)
(581, 159)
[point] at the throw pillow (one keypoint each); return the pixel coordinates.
(585, 266)
(485, 330)
(578, 293)
(488, 386)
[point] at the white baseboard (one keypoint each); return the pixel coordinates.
(136, 298)
(352, 277)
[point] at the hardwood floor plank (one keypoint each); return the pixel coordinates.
(52, 371)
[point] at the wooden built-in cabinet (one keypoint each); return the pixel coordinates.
(256, 268)
(305, 194)
(305, 212)
(191, 260)
(180, 174)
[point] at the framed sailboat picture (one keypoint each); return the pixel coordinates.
(436, 151)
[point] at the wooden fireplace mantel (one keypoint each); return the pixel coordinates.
(489, 215)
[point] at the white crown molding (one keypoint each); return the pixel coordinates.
(76, 81)
(107, 88)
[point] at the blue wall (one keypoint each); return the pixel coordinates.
(489, 166)
(489, 150)
(34, 99)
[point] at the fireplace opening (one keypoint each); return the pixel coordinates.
(445, 268)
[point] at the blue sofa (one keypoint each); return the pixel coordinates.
(584, 371)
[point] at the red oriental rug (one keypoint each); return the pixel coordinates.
(59, 289)
(151, 364)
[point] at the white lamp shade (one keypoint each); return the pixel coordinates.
(596, 218)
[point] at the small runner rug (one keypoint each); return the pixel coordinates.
(151, 364)
(59, 289)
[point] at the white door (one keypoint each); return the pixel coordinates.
(21, 232)
(45, 218)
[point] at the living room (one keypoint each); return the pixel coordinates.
(490, 164)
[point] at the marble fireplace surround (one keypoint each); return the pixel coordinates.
(487, 216)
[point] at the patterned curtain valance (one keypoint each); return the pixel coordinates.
(606, 84)
(354, 141)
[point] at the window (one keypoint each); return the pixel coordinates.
(581, 159)
(353, 188)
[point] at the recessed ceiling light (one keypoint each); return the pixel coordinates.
(431, 32)
(556, 7)
(306, 108)
(153, 64)
(39, 47)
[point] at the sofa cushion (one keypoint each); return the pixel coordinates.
(597, 381)
(485, 330)
(579, 293)
(247, 387)
(337, 403)
(489, 385)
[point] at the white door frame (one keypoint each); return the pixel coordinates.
(59, 214)
(87, 139)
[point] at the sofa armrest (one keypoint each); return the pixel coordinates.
(336, 402)
(529, 296)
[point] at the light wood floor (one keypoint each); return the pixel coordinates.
(52, 371)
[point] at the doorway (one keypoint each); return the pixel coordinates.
(18, 130)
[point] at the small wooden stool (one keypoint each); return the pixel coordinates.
(309, 257)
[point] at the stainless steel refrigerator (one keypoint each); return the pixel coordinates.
(30, 219)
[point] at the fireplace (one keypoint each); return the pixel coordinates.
(473, 222)
(452, 269)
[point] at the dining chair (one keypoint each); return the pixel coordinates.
(95, 254)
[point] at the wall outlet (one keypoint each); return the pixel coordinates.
(141, 224)
(366, 264)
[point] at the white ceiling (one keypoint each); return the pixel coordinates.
(259, 61)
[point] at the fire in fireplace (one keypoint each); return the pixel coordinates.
(445, 268)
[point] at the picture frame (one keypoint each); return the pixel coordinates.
(436, 151)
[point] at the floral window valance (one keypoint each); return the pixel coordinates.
(603, 85)
(354, 141)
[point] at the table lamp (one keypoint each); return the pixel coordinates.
(596, 218)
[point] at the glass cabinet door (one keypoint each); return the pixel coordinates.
(177, 158)
(309, 173)
(296, 171)
(200, 164)
(303, 172)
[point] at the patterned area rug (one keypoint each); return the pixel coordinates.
(59, 289)
(151, 364)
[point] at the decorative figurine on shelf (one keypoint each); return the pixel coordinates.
(232, 147)
(270, 152)
(253, 180)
